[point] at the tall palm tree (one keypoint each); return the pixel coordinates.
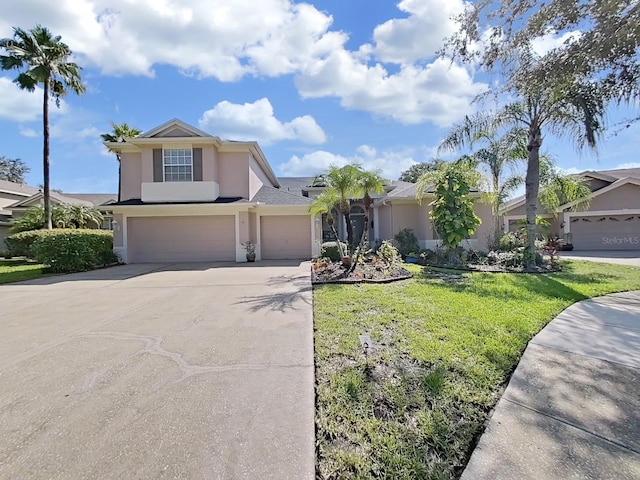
(42, 59)
(577, 114)
(119, 133)
(345, 183)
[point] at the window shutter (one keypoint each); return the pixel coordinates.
(197, 164)
(157, 165)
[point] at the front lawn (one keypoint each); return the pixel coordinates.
(443, 350)
(17, 270)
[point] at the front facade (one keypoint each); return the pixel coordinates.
(609, 221)
(188, 196)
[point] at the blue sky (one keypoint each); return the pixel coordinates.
(318, 83)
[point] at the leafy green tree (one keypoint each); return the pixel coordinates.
(557, 189)
(42, 59)
(63, 216)
(13, 170)
(452, 212)
(600, 43)
(413, 173)
(370, 182)
(120, 132)
(500, 155)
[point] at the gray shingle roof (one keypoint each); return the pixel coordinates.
(17, 188)
(277, 196)
(96, 199)
(617, 173)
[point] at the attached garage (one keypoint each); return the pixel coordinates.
(181, 239)
(606, 232)
(285, 237)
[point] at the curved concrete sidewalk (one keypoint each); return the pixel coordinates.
(572, 407)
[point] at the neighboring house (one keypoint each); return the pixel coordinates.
(190, 196)
(11, 193)
(611, 220)
(16, 199)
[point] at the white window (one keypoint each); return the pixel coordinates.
(107, 223)
(177, 165)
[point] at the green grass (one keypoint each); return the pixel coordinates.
(443, 352)
(17, 270)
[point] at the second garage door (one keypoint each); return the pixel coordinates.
(620, 232)
(181, 239)
(285, 237)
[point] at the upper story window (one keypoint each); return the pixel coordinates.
(177, 165)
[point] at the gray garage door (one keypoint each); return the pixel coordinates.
(181, 239)
(620, 232)
(285, 237)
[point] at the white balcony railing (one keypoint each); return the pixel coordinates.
(180, 191)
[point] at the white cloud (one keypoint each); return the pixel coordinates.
(390, 163)
(419, 36)
(256, 121)
(23, 105)
(19, 105)
(625, 165)
(217, 38)
(440, 93)
(546, 43)
(28, 132)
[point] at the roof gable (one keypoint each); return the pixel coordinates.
(174, 128)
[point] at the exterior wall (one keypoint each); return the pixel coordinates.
(209, 164)
(625, 196)
(244, 228)
(118, 232)
(233, 174)
(253, 236)
(384, 222)
(486, 228)
(147, 163)
(257, 178)
(131, 174)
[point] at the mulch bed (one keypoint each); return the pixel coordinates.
(367, 272)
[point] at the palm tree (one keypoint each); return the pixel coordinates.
(370, 182)
(119, 133)
(557, 189)
(345, 184)
(42, 59)
(324, 204)
(577, 114)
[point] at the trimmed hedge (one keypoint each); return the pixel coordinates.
(20, 243)
(73, 250)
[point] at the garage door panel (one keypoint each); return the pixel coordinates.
(181, 239)
(285, 237)
(619, 232)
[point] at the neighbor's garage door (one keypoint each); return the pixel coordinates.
(285, 237)
(181, 239)
(620, 232)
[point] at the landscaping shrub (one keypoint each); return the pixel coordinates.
(20, 243)
(407, 242)
(511, 241)
(332, 250)
(388, 253)
(73, 250)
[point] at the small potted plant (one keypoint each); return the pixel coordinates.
(250, 248)
(568, 245)
(412, 257)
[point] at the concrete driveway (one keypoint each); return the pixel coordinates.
(159, 371)
(617, 257)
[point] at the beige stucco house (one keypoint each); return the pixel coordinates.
(190, 196)
(610, 221)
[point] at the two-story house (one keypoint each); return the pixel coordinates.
(189, 196)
